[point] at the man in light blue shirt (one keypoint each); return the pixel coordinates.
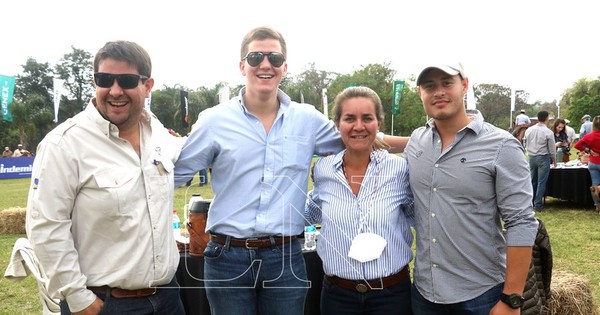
(259, 146)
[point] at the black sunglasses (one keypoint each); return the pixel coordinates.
(254, 58)
(126, 81)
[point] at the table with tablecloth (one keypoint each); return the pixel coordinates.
(191, 271)
(570, 183)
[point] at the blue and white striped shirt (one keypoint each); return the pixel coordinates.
(384, 199)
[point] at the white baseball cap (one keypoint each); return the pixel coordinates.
(452, 68)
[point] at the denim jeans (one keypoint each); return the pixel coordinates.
(594, 170)
(539, 168)
(481, 305)
(394, 299)
(269, 281)
(165, 301)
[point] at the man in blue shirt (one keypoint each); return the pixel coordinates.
(259, 145)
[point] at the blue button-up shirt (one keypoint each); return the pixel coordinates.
(259, 180)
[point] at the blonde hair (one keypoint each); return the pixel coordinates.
(355, 92)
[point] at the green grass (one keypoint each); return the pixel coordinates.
(574, 237)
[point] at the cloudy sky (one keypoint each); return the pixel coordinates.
(541, 47)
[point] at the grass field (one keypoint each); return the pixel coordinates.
(574, 237)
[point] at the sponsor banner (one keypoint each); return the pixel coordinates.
(16, 167)
(7, 86)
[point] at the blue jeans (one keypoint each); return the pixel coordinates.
(481, 305)
(539, 168)
(165, 301)
(394, 299)
(594, 170)
(269, 281)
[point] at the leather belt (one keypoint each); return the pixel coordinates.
(122, 293)
(251, 243)
(363, 286)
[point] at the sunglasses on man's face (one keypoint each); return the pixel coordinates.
(126, 81)
(254, 58)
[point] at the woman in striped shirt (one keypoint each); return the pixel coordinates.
(362, 198)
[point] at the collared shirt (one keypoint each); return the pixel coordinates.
(539, 140)
(461, 196)
(522, 119)
(97, 213)
(384, 206)
(259, 179)
(570, 133)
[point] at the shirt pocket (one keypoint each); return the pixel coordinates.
(115, 190)
(297, 152)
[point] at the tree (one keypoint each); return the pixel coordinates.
(33, 102)
(76, 70)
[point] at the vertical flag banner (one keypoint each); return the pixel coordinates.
(512, 99)
(398, 86)
(58, 89)
(224, 94)
(184, 108)
(471, 97)
(7, 84)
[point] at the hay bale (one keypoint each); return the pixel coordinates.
(570, 294)
(12, 221)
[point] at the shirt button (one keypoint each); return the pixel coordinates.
(434, 240)
(433, 215)
(434, 189)
(434, 265)
(436, 165)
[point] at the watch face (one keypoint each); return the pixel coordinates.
(515, 300)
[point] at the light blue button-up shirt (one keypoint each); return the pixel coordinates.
(259, 180)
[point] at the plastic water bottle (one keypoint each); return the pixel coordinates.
(176, 225)
(310, 237)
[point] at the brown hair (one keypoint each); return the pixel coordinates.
(262, 33)
(596, 123)
(129, 52)
(355, 92)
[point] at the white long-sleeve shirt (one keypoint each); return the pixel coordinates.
(99, 214)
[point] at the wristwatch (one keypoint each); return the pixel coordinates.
(514, 300)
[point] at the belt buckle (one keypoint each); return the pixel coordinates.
(361, 288)
(249, 240)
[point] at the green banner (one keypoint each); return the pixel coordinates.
(398, 86)
(7, 84)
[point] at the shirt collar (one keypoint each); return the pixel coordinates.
(476, 123)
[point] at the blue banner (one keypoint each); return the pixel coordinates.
(16, 167)
(7, 86)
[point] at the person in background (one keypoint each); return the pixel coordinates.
(561, 141)
(591, 143)
(541, 149)
(473, 215)
(361, 190)
(19, 151)
(586, 126)
(7, 152)
(571, 136)
(522, 120)
(101, 196)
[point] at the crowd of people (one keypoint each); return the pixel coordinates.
(102, 230)
(19, 151)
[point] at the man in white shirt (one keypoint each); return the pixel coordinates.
(586, 126)
(522, 119)
(570, 133)
(101, 196)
